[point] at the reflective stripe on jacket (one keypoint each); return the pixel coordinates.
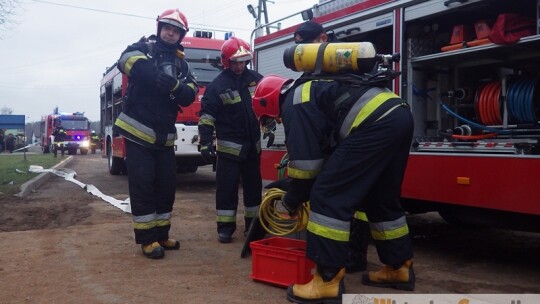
(226, 109)
(149, 114)
(313, 118)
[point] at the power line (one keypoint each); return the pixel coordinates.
(92, 9)
(132, 15)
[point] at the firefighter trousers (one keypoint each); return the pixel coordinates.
(229, 173)
(363, 173)
(152, 188)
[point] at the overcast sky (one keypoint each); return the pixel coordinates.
(56, 51)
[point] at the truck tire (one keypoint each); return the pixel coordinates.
(116, 164)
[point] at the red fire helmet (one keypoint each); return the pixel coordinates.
(266, 100)
(175, 18)
(235, 49)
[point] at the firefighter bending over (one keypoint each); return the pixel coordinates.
(159, 82)
(348, 140)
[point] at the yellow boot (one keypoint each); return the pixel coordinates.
(170, 244)
(317, 290)
(402, 278)
(153, 250)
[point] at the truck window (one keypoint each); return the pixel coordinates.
(205, 64)
(75, 124)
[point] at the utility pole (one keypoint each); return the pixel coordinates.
(262, 9)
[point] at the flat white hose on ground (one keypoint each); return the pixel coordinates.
(70, 175)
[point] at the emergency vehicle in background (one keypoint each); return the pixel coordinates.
(76, 126)
(203, 54)
(475, 157)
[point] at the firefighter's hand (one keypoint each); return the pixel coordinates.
(167, 83)
(291, 204)
(208, 153)
(271, 137)
(281, 184)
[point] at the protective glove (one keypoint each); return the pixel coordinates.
(167, 83)
(281, 184)
(298, 191)
(291, 203)
(271, 137)
(208, 152)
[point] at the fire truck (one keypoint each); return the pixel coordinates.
(469, 70)
(76, 126)
(203, 54)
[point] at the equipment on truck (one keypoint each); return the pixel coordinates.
(475, 106)
(204, 57)
(76, 132)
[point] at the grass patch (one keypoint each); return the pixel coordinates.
(11, 180)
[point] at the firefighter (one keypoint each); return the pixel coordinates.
(354, 139)
(159, 81)
(227, 110)
(313, 32)
(94, 140)
(59, 138)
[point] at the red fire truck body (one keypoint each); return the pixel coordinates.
(203, 57)
(76, 126)
(475, 156)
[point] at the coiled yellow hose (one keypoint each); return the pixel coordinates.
(276, 220)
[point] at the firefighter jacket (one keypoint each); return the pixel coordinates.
(59, 135)
(94, 138)
(317, 115)
(149, 114)
(227, 109)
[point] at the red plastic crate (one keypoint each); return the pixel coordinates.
(280, 261)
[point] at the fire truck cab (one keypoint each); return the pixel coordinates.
(469, 70)
(77, 132)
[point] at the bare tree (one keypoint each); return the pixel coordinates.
(5, 110)
(7, 11)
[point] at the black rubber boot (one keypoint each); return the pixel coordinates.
(225, 232)
(358, 245)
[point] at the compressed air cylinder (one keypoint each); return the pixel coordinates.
(340, 57)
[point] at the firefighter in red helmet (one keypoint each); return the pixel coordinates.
(159, 82)
(227, 110)
(348, 142)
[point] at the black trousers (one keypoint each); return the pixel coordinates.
(229, 173)
(364, 172)
(152, 188)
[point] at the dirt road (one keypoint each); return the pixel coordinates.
(63, 245)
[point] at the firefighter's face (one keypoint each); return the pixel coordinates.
(238, 67)
(170, 34)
